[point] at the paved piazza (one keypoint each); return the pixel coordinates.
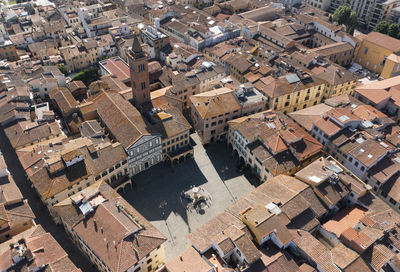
(157, 192)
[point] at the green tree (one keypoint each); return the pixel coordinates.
(62, 69)
(382, 27)
(351, 30)
(87, 76)
(344, 15)
(393, 30)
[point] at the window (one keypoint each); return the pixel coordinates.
(141, 67)
(350, 159)
(365, 50)
(104, 174)
(97, 178)
(213, 131)
(143, 84)
(356, 163)
(149, 261)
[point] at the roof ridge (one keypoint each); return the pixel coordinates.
(20, 214)
(119, 256)
(156, 237)
(130, 121)
(47, 194)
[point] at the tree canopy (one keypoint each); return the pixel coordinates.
(62, 69)
(393, 30)
(382, 27)
(344, 15)
(87, 76)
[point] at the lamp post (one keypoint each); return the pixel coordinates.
(223, 171)
(163, 205)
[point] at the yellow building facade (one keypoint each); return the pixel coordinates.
(297, 100)
(8, 51)
(391, 67)
(378, 53)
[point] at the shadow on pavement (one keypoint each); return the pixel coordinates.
(224, 162)
(163, 186)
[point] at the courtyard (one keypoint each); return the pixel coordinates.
(157, 193)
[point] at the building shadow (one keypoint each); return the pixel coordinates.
(223, 160)
(157, 192)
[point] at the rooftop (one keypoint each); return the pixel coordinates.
(121, 118)
(216, 102)
(384, 41)
(40, 248)
(116, 66)
(114, 230)
(27, 133)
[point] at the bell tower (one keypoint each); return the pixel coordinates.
(138, 64)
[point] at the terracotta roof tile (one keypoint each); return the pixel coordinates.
(384, 41)
(121, 118)
(378, 255)
(214, 103)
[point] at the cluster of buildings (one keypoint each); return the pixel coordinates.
(293, 97)
(25, 245)
(321, 219)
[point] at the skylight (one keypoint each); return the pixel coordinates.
(344, 118)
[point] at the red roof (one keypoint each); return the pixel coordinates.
(116, 66)
(383, 40)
